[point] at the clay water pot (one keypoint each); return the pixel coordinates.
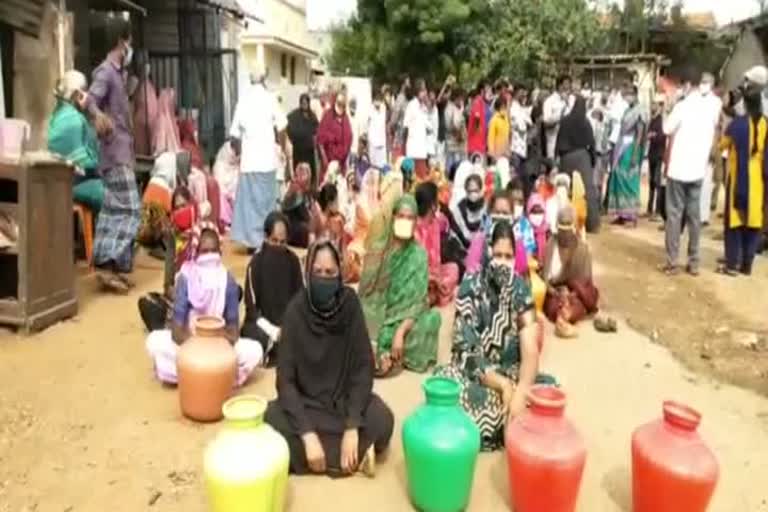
(207, 368)
(545, 455)
(673, 469)
(246, 465)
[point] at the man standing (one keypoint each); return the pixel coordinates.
(119, 217)
(716, 105)
(257, 117)
(692, 124)
(455, 132)
(477, 130)
(377, 132)
(520, 119)
(396, 128)
(555, 108)
(416, 123)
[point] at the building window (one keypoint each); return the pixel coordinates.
(293, 70)
(284, 65)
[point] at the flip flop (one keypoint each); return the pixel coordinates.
(112, 283)
(669, 270)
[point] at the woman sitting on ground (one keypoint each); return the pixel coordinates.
(430, 228)
(325, 406)
(501, 210)
(297, 206)
(393, 290)
(571, 293)
(366, 206)
(495, 354)
(204, 287)
(272, 278)
(537, 215)
(328, 221)
(467, 212)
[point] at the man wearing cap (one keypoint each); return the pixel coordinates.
(693, 126)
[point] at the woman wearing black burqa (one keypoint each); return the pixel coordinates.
(576, 150)
(302, 129)
(326, 409)
(272, 279)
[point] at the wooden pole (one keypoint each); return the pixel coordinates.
(62, 41)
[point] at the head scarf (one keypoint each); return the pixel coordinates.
(73, 81)
(166, 135)
(206, 276)
(164, 171)
(464, 171)
(575, 129)
(539, 232)
(325, 320)
(503, 172)
(189, 143)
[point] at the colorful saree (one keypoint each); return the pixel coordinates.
(393, 288)
(487, 338)
(624, 182)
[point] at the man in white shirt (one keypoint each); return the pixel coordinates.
(554, 109)
(377, 132)
(692, 126)
(716, 105)
(257, 117)
(416, 124)
(520, 121)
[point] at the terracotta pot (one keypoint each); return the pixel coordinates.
(207, 369)
(545, 454)
(673, 469)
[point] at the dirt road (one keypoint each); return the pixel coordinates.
(83, 427)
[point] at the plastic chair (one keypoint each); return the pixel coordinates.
(85, 216)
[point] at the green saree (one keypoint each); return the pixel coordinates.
(393, 288)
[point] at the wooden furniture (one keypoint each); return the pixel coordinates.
(37, 277)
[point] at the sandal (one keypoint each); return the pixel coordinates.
(723, 270)
(130, 283)
(110, 282)
(565, 330)
(669, 270)
(605, 324)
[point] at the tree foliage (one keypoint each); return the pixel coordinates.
(469, 38)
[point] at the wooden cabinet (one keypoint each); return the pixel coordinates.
(37, 278)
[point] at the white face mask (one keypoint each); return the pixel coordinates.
(517, 211)
(537, 219)
(128, 56)
(403, 229)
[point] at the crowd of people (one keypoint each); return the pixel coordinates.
(437, 198)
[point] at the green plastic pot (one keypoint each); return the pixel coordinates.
(441, 444)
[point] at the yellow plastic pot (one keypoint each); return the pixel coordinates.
(246, 465)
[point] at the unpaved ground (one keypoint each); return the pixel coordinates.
(83, 427)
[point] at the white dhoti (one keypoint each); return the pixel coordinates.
(162, 349)
(377, 156)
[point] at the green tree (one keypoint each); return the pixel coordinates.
(470, 38)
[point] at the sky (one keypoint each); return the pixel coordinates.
(321, 13)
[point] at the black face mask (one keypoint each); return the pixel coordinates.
(323, 292)
(475, 205)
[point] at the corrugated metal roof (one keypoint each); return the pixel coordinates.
(23, 15)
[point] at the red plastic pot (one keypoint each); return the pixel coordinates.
(673, 469)
(545, 455)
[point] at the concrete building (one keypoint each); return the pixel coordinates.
(281, 45)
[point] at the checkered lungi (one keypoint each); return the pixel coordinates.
(119, 219)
